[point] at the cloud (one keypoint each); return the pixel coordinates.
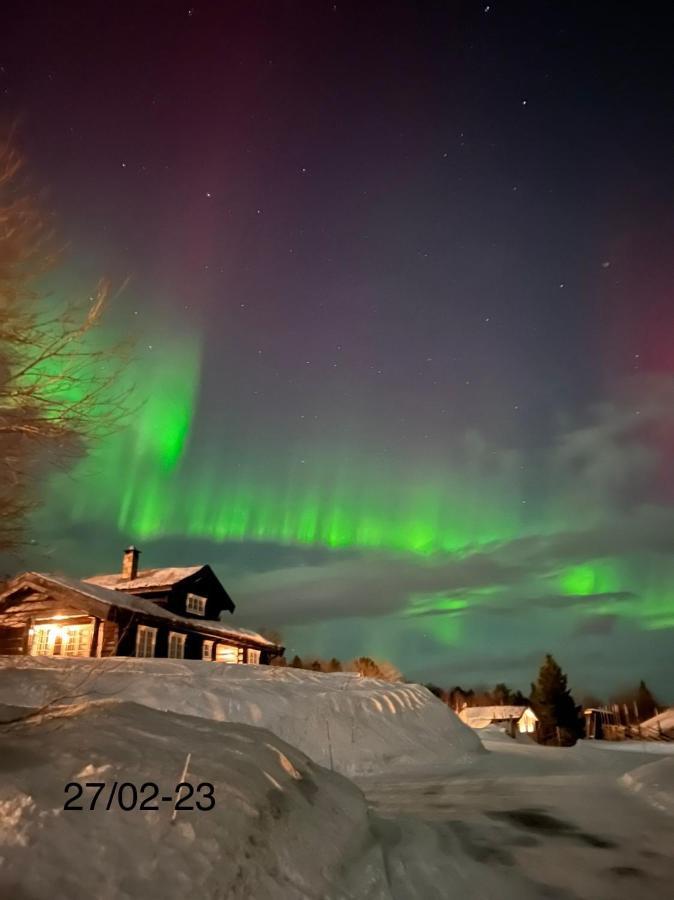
(596, 625)
(374, 585)
(613, 462)
(648, 529)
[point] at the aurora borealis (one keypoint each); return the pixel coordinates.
(401, 288)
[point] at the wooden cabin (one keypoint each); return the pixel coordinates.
(169, 612)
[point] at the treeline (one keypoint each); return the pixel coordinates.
(458, 697)
(362, 665)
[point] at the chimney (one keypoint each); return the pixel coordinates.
(130, 563)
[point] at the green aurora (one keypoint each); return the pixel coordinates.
(152, 481)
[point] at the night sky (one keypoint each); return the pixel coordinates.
(401, 280)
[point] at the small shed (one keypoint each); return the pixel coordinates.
(523, 718)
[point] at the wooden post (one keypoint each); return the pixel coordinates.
(27, 637)
(93, 646)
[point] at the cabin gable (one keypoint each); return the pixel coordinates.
(203, 584)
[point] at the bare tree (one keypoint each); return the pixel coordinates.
(59, 389)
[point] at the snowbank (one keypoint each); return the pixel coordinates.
(281, 827)
(654, 782)
(650, 748)
(661, 725)
(350, 724)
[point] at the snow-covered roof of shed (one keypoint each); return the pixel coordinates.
(148, 607)
(146, 579)
(492, 713)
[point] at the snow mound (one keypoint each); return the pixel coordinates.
(654, 782)
(661, 725)
(281, 826)
(347, 723)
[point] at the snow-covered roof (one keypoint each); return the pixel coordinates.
(471, 715)
(147, 607)
(146, 579)
(660, 725)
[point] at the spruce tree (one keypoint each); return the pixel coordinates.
(296, 662)
(502, 695)
(646, 703)
(558, 716)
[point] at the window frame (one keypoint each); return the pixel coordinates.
(73, 640)
(233, 649)
(39, 644)
(181, 637)
(198, 608)
(207, 645)
(77, 641)
(146, 630)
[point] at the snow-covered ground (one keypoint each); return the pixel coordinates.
(281, 826)
(654, 782)
(659, 748)
(520, 821)
(531, 822)
(344, 722)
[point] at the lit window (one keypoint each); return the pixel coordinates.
(254, 657)
(227, 654)
(50, 639)
(40, 642)
(207, 650)
(76, 640)
(176, 646)
(196, 604)
(145, 640)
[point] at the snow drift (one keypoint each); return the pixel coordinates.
(347, 723)
(281, 825)
(654, 782)
(660, 726)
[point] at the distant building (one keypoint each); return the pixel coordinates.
(521, 717)
(169, 612)
(599, 721)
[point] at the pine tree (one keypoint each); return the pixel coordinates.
(458, 698)
(558, 716)
(334, 665)
(296, 662)
(366, 667)
(437, 691)
(646, 703)
(502, 695)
